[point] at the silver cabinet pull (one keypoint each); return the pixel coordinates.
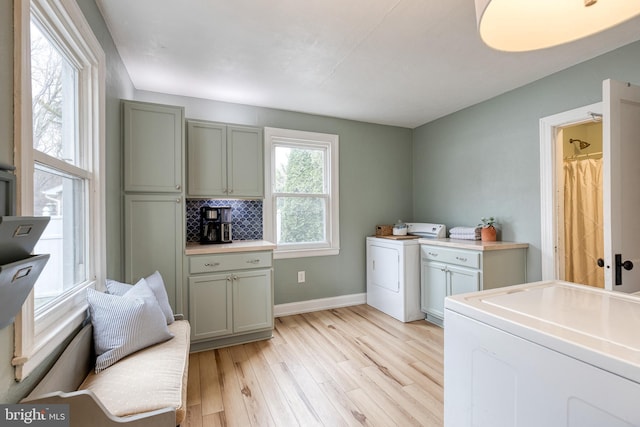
(212, 264)
(253, 261)
(433, 253)
(461, 259)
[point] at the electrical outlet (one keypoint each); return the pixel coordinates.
(301, 277)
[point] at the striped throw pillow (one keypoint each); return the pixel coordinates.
(125, 324)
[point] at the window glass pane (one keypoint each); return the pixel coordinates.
(299, 170)
(54, 98)
(60, 197)
(301, 220)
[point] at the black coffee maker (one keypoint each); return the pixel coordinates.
(215, 224)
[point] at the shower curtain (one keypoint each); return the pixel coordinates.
(583, 235)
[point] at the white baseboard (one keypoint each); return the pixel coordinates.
(318, 304)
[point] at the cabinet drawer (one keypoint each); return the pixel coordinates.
(452, 256)
(223, 262)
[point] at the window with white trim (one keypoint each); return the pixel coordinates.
(60, 164)
(301, 212)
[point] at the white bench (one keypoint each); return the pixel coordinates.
(145, 389)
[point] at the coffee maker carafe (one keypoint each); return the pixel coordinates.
(215, 225)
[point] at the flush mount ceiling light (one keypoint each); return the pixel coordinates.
(522, 25)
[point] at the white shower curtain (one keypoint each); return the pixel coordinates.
(583, 221)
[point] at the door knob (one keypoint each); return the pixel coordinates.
(600, 262)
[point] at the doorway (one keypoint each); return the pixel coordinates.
(553, 130)
(580, 238)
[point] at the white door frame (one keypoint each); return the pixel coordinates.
(549, 127)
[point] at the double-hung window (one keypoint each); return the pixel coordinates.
(60, 165)
(301, 204)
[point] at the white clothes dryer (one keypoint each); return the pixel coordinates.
(393, 277)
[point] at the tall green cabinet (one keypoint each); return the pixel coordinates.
(154, 202)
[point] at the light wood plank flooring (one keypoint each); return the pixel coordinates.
(347, 366)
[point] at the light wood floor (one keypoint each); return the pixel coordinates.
(347, 366)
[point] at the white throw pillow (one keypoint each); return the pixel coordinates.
(125, 324)
(156, 284)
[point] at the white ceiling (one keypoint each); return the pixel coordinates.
(397, 62)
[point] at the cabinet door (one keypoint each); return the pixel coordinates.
(206, 159)
(463, 280)
(154, 240)
(252, 300)
(153, 147)
(210, 306)
(433, 277)
(384, 267)
(245, 161)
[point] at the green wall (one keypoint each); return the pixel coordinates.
(485, 160)
(375, 188)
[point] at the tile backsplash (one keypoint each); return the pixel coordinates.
(246, 217)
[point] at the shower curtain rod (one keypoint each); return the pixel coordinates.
(583, 156)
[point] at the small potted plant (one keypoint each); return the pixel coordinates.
(488, 231)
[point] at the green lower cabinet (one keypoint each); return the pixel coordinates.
(252, 302)
(210, 299)
(233, 306)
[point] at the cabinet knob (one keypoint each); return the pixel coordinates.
(178, 186)
(178, 200)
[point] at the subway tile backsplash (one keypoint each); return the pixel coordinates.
(246, 217)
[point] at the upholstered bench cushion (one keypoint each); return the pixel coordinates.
(150, 379)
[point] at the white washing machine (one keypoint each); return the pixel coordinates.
(542, 354)
(393, 272)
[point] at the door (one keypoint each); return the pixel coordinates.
(153, 147)
(621, 182)
(252, 301)
(154, 240)
(433, 277)
(384, 267)
(245, 161)
(206, 159)
(463, 280)
(210, 306)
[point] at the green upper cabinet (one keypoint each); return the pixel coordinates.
(153, 147)
(224, 160)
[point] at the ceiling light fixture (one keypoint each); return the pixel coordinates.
(523, 25)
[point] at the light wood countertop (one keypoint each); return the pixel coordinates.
(476, 245)
(237, 246)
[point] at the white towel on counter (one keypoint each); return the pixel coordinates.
(465, 236)
(465, 233)
(464, 230)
